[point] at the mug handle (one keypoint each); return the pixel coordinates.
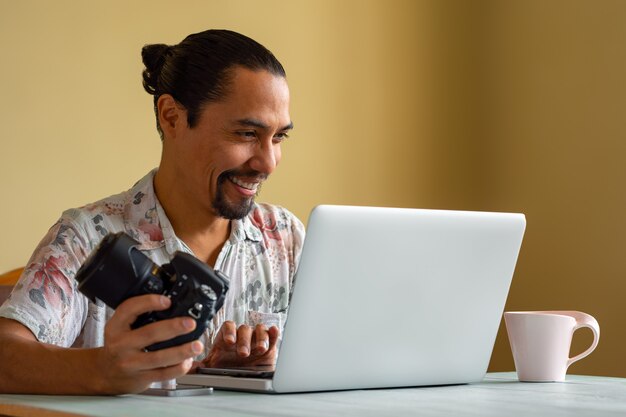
(583, 320)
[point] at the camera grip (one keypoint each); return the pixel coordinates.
(198, 292)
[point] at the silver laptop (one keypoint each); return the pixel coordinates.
(391, 297)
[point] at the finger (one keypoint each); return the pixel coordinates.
(273, 335)
(142, 368)
(128, 311)
(227, 334)
(268, 357)
(173, 356)
(170, 372)
(261, 339)
(195, 365)
(225, 345)
(164, 358)
(160, 331)
(244, 338)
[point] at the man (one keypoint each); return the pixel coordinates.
(222, 110)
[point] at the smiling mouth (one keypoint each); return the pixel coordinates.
(252, 186)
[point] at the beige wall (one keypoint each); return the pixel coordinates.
(553, 119)
(485, 105)
(530, 118)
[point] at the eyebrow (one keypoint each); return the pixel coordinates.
(261, 125)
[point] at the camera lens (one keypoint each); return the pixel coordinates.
(116, 270)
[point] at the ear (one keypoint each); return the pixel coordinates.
(172, 116)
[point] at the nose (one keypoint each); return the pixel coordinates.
(265, 158)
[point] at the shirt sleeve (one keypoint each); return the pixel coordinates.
(46, 299)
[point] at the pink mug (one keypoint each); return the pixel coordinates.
(540, 341)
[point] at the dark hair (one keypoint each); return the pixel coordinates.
(197, 70)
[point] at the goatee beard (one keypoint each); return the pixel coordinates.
(227, 209)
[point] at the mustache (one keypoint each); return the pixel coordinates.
(252, 174)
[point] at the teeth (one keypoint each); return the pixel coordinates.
(248, 185)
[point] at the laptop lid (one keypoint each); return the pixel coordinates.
(391, 297)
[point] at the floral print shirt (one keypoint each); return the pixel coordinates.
(260, 258)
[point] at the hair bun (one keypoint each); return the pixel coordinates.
(153, 57)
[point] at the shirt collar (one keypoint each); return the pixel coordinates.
(244, 229)
(145, 219)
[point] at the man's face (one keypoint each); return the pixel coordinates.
(235, 146)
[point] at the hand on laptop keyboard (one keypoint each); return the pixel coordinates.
(243, 346)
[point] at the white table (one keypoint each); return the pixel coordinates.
(500, 394)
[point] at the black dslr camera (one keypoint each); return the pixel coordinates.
(117, 270)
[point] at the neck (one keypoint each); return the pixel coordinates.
(201, 230)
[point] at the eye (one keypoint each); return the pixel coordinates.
(279, 137)
(247, 134)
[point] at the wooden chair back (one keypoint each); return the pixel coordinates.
(7, 281)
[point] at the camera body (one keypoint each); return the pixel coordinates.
(117, 270)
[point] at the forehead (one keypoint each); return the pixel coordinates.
(258, 95)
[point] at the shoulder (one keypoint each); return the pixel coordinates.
(96, 220)
(78, 231)
(119, 212)
(108, 208)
